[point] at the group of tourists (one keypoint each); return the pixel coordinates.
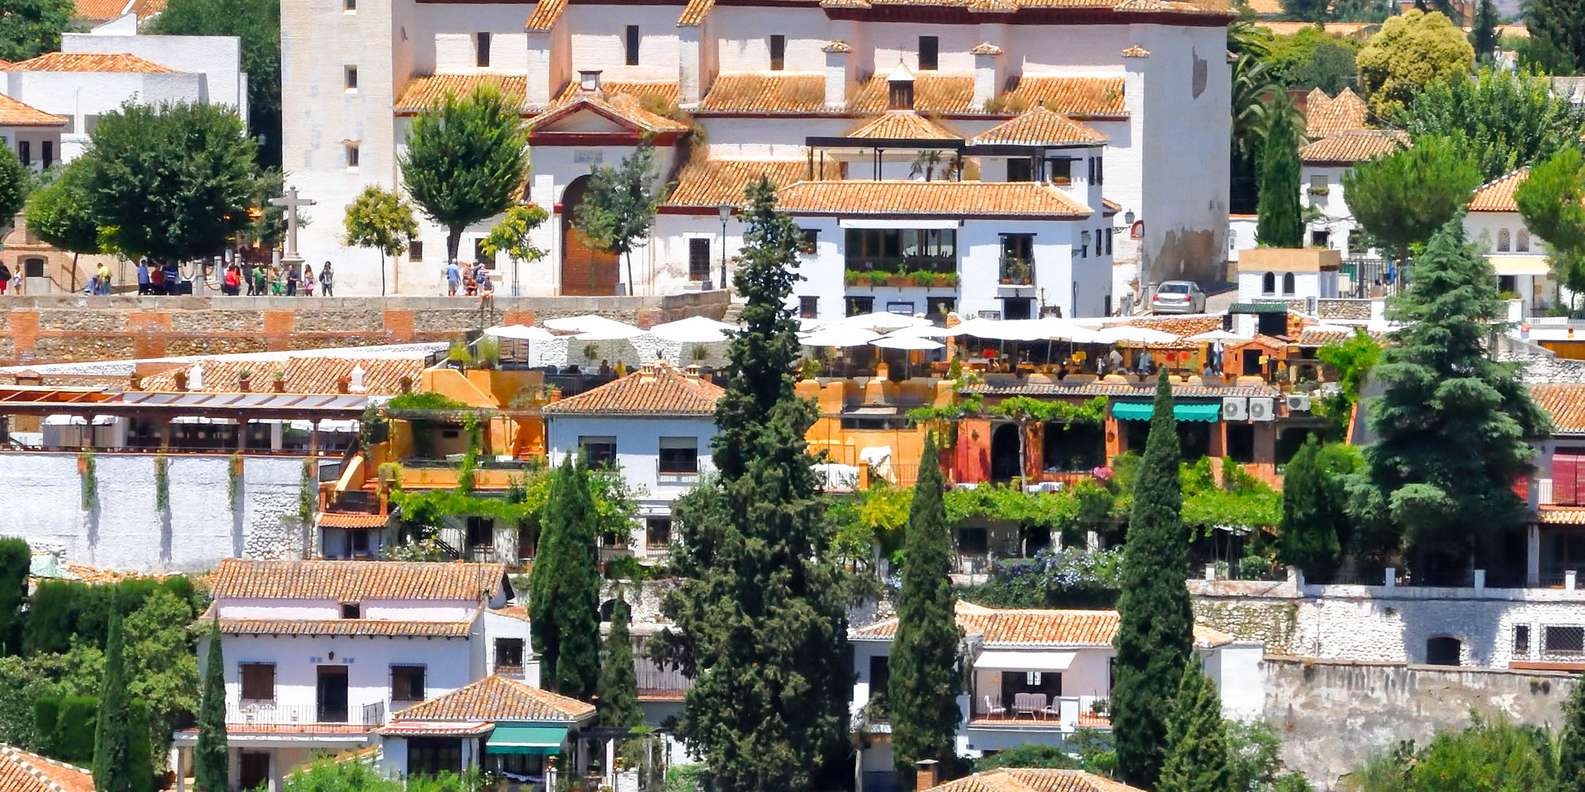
(267, 280)
(472, 280)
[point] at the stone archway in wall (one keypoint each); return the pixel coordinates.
(586, 270)
(1005, 462)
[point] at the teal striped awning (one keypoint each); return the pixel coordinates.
(1209, 412)
(524, 738)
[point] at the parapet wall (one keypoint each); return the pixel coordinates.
(59, 329)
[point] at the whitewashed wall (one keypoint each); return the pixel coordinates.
(40, 495)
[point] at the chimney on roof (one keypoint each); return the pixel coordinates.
(988, 74)
(900, 88)
(924, 774)
(589, 81)
(356, 385)
(196, 378)
(837, 75)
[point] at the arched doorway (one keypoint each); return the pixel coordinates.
(1004, 453)
(586, 270)
(1443, 650)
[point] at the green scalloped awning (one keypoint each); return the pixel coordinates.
(522, 738)
(1209, 412)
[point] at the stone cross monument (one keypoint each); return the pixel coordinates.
(290, 202)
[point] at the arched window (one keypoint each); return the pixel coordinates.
(1287, 283)
(1502, 241)
(1268, 283)
(1521, 242)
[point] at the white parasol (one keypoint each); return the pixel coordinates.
(1212, 336)
(1136, 334)
(839, 336)
(590, 327)
(519, 332)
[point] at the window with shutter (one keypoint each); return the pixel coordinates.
(698, 259)
(1565, 474)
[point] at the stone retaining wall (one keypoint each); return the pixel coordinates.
(59, 329)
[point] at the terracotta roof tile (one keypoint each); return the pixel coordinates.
(382, 376)
(711, 182)
(934, 92)
(1347, 148)
(14, 113)
(1039, 126)
(968, 198)
(1136, 51)
(21, 771)
(512, 612)
(497, 698)
(352, 520)
(1560, 515)
(383, 627)
(1498, 195)
(415, 728)
(660, 91)
(901, 125)
(99, 10)
(694, 12)
(656, 390)
(90, 62)
(1014, 779)
(766, 92)
(1036, 627)
(349, 581)
(1328, 115)
(1565, 402)
(1218, 8)
(428, 90)
(147, 8)
(545, 14)
(626, 109)
(1098, 97)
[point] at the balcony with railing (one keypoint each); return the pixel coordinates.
(1015, 271)
(1035, 711)
(660, 683)
(272, 716)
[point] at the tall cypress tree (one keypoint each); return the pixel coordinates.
(1571, 745)
(112, 736)
(1310, 514)
(925, 677)
(15, 558)
(1484, 36)
(1196, 738)
(759, 606)
(1155, 633)
(564, 587)
(618, 682)
(211, 769)
(1278, 221)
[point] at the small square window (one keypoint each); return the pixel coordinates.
(810, 238)
(679, 455)
(415, 250)
(929, 53)
(352, 155)
(630, 42)
(351, 610)
(349, 6)
(481, 50)
(598, 451)
(808, 307)
(778, 52)
(1521, 641)
(258, 681)
(352, 78)
(698, 259)
(407, 683)
(657, 532)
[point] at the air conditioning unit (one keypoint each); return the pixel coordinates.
(1262, 409)
(1298, 402)
(1235, 408)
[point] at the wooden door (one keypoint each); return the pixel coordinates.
(586, 270)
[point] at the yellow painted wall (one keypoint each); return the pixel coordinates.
(843, 445)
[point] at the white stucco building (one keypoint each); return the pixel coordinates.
(1524, 271)
(319, 654)
(731, 90)
(1034, 676)
(1287, 274)
(655, 427)
(96, 72)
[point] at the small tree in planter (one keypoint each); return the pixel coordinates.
(279, 381)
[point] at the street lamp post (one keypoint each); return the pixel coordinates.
(726, 214)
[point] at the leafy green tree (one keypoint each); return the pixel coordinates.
(1279, 222)
(1312, 515)
(759, 606)
(1451, 423)
(1402, 198)
(1410, 52)
(1351, 359)
(619, 207)
(171, 182)
(618, 682)
(1552, 202)
(1156, 632)
(61, 213)
(466, 160)
(382, 220)
(1492, 755)
(15, 559)
(1305, 10)
(1196, 758)
(1558, 26)
(162, 668)
(114, 737)
(1571, 743)
(257, 25)
(33, 27)
(922, 697)
(14, 183)
(211, 759)
(564, 587)
(1253, 756)
(1502, 119)
(514, 236)
(73, 739)
(325, 774)
(1312, 58)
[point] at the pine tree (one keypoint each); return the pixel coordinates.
(618, 682)
(1571, 744)
(210, 759)
(1278, 222)
(1451, 422)
(759, 606)
(112, 736)
(1310, 516)
(925, 676)
(1196, 738)
(1155, 634)
(564, 587)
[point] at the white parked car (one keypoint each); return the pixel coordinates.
(1176, 296)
